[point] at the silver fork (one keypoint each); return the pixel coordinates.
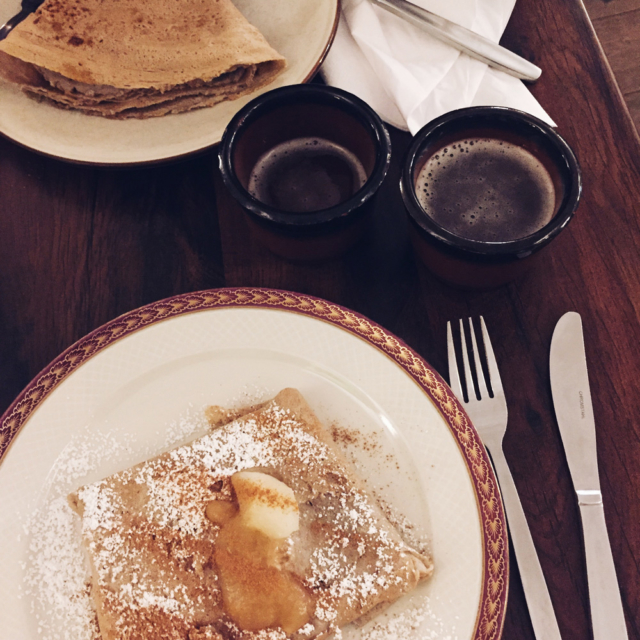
(489, 416)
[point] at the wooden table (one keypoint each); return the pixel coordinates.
(81, 245)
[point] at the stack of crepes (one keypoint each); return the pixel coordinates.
(129, 58)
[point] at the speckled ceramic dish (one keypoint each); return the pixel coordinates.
(301, 30)
(137, 385)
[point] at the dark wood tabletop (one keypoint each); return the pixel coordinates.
(81, 245)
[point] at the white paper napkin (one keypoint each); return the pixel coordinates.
(408, 76)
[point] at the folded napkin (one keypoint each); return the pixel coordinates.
(410, 77)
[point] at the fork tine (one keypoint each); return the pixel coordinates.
(482, 385)
(454, 377)
(467, 368)
(492, 365)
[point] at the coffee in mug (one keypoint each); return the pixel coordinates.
(305, 163)
(486, 189)
(306, 174)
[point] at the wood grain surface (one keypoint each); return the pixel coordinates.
(617, 23)
(598, 9)
(80, 245)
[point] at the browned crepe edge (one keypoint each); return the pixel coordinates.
(39, 44)
(172, 101)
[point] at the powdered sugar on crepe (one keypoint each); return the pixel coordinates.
(56, 570)
(57, 578)
(409, 625)
(58, 558)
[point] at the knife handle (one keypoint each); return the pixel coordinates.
(607, 615)
(463, 39)
(543, 618)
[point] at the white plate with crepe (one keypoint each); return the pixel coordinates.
(300, 30)
(138, 385)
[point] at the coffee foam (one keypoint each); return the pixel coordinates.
(486, 189)
(295, 169)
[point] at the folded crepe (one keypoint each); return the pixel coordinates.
(162, 569)
(127, 58)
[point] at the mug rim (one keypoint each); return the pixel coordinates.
(485, 249)
(305, 94)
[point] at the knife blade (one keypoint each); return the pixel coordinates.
(574, 413)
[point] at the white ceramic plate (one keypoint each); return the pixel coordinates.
(134, 387)
(301, 30)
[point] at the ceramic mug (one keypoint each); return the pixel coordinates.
(282, 122)
(474, 159)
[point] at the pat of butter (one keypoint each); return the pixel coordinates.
(266, 504)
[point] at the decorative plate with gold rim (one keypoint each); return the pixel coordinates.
(301, 30)
(137, 385)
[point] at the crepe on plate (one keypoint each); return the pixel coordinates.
(163, 567)
(127, 58)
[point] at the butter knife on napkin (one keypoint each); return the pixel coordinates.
(574, 412)
(471, 43)
(411, 77)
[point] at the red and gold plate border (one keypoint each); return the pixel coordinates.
(493, 599)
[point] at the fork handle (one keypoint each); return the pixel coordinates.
(543, 619)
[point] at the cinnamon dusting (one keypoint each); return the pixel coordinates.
(165, 558)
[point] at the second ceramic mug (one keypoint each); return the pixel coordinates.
(467, 161)
(278, 122)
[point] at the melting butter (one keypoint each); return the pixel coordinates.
(257, 593)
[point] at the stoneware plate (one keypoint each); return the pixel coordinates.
(138, 385)
(301, 30)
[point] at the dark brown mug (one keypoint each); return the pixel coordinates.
(303, 112)
(480, 263)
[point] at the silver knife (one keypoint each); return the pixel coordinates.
(574, 411)
(463, 39)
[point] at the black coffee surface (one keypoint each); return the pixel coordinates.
(488, 190)
(306, 174)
